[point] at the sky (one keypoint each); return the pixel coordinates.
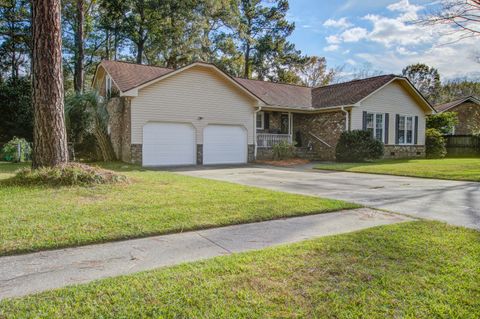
(380, 35)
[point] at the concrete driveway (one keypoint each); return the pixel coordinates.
(454, 202)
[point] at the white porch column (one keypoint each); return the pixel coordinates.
(290, 126)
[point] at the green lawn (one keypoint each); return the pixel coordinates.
(410, 270)
(35, 218)
(464, 169)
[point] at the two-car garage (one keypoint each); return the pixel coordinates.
(175, 144)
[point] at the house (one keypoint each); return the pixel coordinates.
(200, 115)
(468, 112)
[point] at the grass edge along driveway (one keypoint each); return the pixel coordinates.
(155, 203)
(409, 270)
(461, 169)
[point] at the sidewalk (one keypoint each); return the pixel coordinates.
(25, 274)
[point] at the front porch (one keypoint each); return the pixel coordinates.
(314, 135)
(274, 128)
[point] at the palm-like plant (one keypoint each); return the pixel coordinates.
(89, 111)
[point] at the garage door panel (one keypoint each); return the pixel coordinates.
(224, 144)
(168, 144)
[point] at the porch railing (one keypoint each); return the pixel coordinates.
(267, 140)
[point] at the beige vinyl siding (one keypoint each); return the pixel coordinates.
(199, 96)
(392, 99)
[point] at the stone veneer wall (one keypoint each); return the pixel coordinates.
(136, 154)
(136, 151)
(468, 114)
(327, 126)
(404, 151)
(120, 126)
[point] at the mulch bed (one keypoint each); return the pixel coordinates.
(286, 162)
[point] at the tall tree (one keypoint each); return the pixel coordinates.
(49, 138)
(315, 72)
(138, 17)
(459, 88)
(426, 79)
(79, 52)
(15, 37)
(262, 31)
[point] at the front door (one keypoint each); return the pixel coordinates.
(284, 122)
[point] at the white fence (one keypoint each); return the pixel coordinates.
(266, 140)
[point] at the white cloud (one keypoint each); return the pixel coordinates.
(332, 47)
(394, 31)
(354, 34)
(341, 23)
(409, 11)
(333, 39)
(449, 60)
(404, 51)
(392, 42)
(351, 62)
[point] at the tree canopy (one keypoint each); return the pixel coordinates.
(426, 79)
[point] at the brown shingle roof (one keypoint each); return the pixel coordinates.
(129, 75)
(347, 93)
(278, 94)
(449, 105)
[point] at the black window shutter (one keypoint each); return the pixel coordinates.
(364, 123)
(397, 122)
(266, 119)
(387, 121)
(416, 131)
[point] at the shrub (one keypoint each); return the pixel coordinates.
(70, 174)
(358, 146)
(10, 150)
(283, 150)
(435, 144)
(443, 122)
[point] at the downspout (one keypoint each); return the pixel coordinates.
(347, 119)
(255, 131)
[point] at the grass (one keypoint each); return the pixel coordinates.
(462, 169)
(154, 202)
(410, 270)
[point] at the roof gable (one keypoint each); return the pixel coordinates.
(347, 93)
(447, 106)
(129, 75)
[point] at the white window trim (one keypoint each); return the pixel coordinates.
(108, 85)
(375, 124)
(405, 130)
(262, 115)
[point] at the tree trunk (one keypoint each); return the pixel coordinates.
(49, 135)
(79, 49)
(140, 47)
(247, 62)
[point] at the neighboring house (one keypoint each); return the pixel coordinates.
(468, 112)
(200, 115)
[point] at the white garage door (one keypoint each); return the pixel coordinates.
(224, 144)
(168, 144)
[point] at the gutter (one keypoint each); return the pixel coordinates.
(306, 111)
(347, 119)
(255, 131)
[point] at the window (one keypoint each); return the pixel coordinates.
(108, 85)
(405, 129)
(260, 120)
(376, 125)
